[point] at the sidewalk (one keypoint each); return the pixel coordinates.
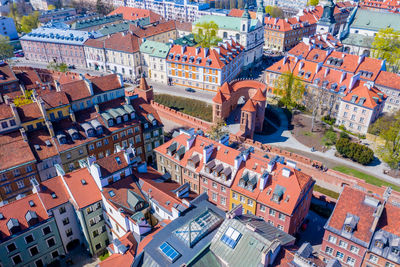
(283, 138)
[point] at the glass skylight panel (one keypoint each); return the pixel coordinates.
(231, 237)
(169, 252)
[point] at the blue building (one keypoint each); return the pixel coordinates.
(7, 28)
(28, 236)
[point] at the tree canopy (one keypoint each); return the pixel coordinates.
(290, 88)
(390, 151)
(313, 2)
(206, 34)
(30, 22)
(217, 130)
(274, 11)
(6, 50)
(386, 45)
(62, 67)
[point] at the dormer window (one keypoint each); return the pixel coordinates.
(395, 251)
(378, 244)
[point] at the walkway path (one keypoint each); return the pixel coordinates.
(284, 139)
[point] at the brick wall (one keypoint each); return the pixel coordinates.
(180, 118)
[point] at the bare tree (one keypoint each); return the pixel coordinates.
(318, 100)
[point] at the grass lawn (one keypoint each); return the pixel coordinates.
(104, 256)
(307, 133)
(327, 192)
(366, 177)
(189, 106)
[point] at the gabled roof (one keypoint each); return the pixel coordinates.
(351, 202)
(29, 112)
(17, 210)
(364, 96)
(123, 42)
(112, 163)
(388, 79)
(153, 29)
(105, 83)
(131, 13)
(53, 193)
(21, 152)
(6, 74)
(82, 187)
(5, 111)
(227, 22)
(117, 259)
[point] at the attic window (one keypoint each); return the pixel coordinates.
(31, 203)
(53, 195)
(118, 160)
(111, 193)
(83, 182)
(354, 98)
(1, 216)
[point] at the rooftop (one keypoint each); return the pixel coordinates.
(131, 13)
(15, 144)
(229, 23)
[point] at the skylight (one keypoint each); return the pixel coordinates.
(118, 160)
(231, 237)
(111, 193)
(169, 252)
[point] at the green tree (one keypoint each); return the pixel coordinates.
(51, 7)
(313, 2)
(274, 11)
(386, 45)
(290, 88)
(6, 50)
(390, 151)
(206, 34)
(217, 130)
(62, 67)
(103, 8)
(30, 22)
(14, 14)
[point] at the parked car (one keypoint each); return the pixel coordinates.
(190, 90)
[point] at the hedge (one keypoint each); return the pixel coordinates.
(357, 152)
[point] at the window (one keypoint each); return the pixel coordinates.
(223, 201)
(389, 264)
(17, 259)
(223, 189)
(205, 181)
(169, 252)
(234, 195)
(33, 251)
(99, 144)
(250, 202)
(373, 258)
(242, 199)
(350, 261)
(262, 208)
(339, 255)
(50, 242)
(95, 233)
(7, 189)
(282, 217)
(29, 239)
(62, 210)
(332, 239)
(66, 221)
(280, 227)
(54, 254)
(20, 184)
(354, 249)
(342, 244)
(68, 232)
(89, 210)
(231, 237)
(98, 246)
(214, 185)
(115, 137)
(16, 172)
(11, 247)
(91, 147)
(138, 139)
(214, 196)
(46, 230)
(272, 212)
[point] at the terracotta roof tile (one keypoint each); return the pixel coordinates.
(124, 42)
(6, 74)
(239, 13)
(5, 111)
(390, 218)
(371, 96)
(53, 187)
(153, 29)
(388, 79)
(29, 112)
(76, 90)
(39, 138)
(13, 143)
(117, 259)
(219, 97)
(105, 83)
(17, 210)
(130, 13)
(111, 164)
(83, 193)
(249, 106)
(148, 238)
(258, 96)
(55, 99)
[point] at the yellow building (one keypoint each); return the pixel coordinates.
(248, 204)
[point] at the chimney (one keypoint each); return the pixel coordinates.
(353, 81)
(121, 80)
(360, 59)
(23, 134)
(236, 211)
(270, 166)
(301, 64)
(91, 160)
(343, 76)
(286, 172)
(97, 108)
(183, 49)
(205, 52)
(285, 60)
(35, 186)
(207, 151)
(15, 113)
(7, 100)
(89, 85)
(189, 142)
(264, 180)
(238, 161)
(72, 115)
(197, 50)
(318, 67)
(57, 85)
(42, 108)
(218, 50)
(50, 128)
(326, 72)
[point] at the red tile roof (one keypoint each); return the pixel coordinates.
(160, 190)
(105, 83)
(149, 237)
(372, 96)
(6, 74)
(388, 79)
(109, 165)
(55, 99)
(219, 97)
(38, 138)
(239, 13)
(17, 210)
(124, 42)
(351, 201)
(29, 112)
(116, 259)
(76, 90)
(83, 194)
(53, 186)
(130, 13)
(249, 106)
(390, 218)
(259, 95)
(153, 29)
(206, 54)
(5, 111)
(21, 152)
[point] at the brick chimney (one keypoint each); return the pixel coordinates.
(144, 90)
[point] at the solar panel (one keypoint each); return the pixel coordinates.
(231, 237)
(169, 252)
